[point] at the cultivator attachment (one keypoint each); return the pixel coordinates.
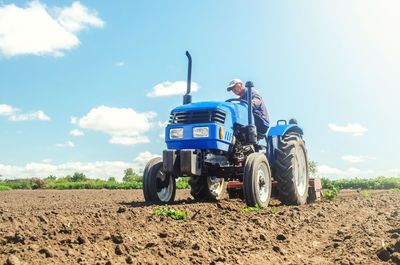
(314, 188)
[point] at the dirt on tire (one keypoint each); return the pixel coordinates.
(117, 227)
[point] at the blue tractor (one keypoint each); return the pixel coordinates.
(216, 145)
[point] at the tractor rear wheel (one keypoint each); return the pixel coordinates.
(207, 188)
(160, 186)
(257, 181)
(291, 169)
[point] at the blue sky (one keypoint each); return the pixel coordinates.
(87, 86)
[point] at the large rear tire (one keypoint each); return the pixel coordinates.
(291, 169)
(257, 181)
(207, 188)
(160, 186)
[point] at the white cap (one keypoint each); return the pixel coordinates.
(233, 82)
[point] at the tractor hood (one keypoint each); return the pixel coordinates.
(235, 112)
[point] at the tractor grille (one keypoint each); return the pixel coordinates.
(198, 116)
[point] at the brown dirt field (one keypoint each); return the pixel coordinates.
(117, 227)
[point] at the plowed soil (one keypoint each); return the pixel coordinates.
(117, 227)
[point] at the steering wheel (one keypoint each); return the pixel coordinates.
(236, 99)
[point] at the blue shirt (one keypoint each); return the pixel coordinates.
(258, 106)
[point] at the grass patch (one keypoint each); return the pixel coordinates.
(5, 187)
(79, 181)
(379, 183)
(169, 213)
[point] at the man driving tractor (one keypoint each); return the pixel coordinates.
(260, 112)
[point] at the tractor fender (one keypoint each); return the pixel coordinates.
(273, 137)
(280, 130)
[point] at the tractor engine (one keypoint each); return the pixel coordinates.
(206, 138)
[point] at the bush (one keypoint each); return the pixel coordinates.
(133, 178)
(78, 177)
(37, 183)
(356, 183)
(18, 184)
(4, 187)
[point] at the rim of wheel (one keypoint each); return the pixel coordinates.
(262, 184)
(165, 193)
(215, 185)
(300, 172)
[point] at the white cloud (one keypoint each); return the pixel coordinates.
(67, 144)
(395, 170)
(47, 160)
(324, 170)
(355, 129)
(6, 110)
(356, 159)
(76, 132)
(77, 17)
(168, 88)
(125, 125)
(353, 159)
(119, 64)
(124, 140)
(143, 157)
(162, 125)
(73, 120)
(39, 30)
(98, 169)
(37, 115)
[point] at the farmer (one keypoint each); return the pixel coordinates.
(260, 113)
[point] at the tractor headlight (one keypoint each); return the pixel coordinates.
(200, 132)
(175, 133)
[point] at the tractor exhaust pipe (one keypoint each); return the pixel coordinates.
(249, 85)
(187, 98)
(251, 133)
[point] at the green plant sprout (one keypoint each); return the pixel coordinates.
(331, 193)
(257, 208)
(169, 212)
(365, 194)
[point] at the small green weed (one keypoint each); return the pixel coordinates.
(394, 190)
(331, 193)
(169, 212)
(365, 194)
(257, 208)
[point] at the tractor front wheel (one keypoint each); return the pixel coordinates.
(207, 188)
(257, 181)
(160, 187)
